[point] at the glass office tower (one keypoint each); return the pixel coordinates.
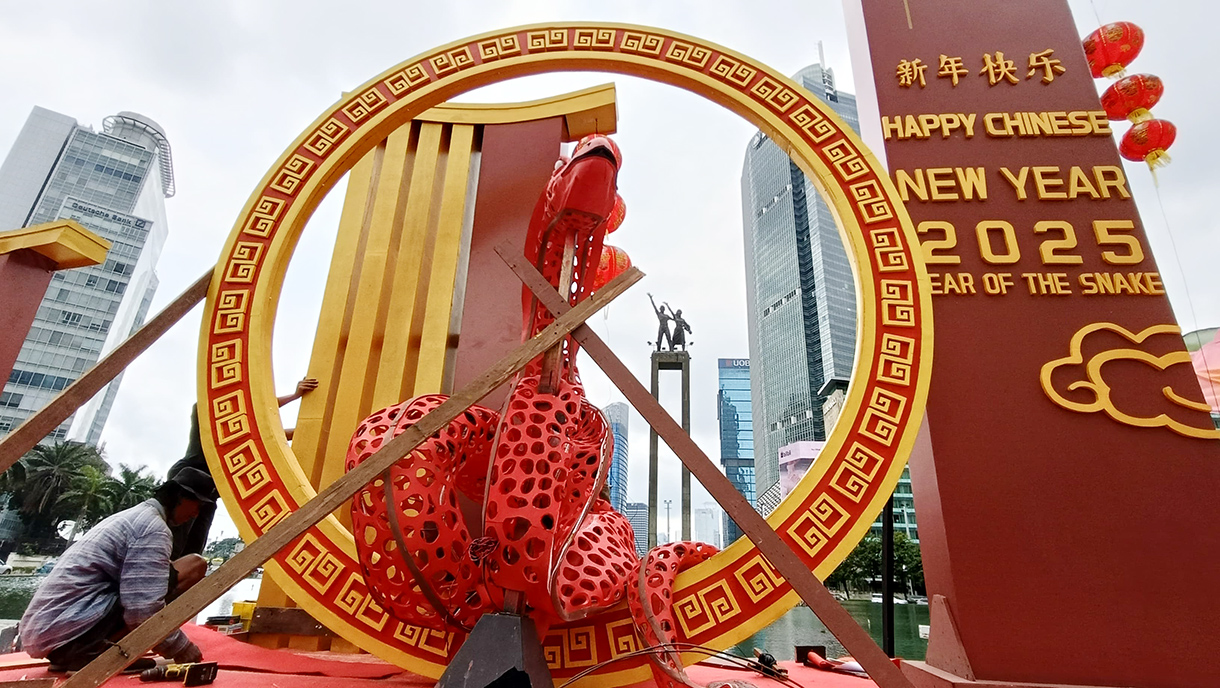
(617, 414)
(800, 294)
(115, 183)
(637, 516)
(735, 416)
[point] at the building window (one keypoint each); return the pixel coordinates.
(10, 399)
(69, 318)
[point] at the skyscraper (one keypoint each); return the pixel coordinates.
(114, 183)
(707, 526)
(637, 516)
(801, 298)
(735, 416)
(617, 415)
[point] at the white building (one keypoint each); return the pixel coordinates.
(707, 525)
(115, 183)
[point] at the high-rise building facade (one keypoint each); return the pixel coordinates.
(707, 526)
(800, 294)
(734, 413)
(637, 516)
(617, 415)
(115, 183)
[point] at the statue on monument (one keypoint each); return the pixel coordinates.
(681, 328)
(662, 325)
(678, 337)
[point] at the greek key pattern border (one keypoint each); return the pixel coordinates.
(705, 608)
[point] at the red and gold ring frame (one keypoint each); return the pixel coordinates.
(723, 600)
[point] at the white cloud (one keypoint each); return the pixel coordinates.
(233, 83)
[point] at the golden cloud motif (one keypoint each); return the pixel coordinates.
(1101, 389)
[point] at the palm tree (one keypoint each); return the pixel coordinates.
(49, 471)
(92, 496)
(133, 486)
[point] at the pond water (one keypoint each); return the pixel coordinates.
(800, 627)
(16, 591)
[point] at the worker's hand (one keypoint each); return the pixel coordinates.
(190, 655)
(307, 385)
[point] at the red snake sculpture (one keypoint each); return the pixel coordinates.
(532, 475)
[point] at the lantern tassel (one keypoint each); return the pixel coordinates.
(1139, 115)
(1114, 71)
(1157, 158)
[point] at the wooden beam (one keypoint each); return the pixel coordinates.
(286, 620)
(29, 683)
(75, 395)
(166, 621)
(855, 639)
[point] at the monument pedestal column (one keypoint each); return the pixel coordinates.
(28, 256)
(668, 360)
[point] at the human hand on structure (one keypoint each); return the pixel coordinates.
(304, 387)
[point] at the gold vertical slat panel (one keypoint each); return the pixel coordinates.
(454, 224)
(392, 307)
(369, 309)
(398, 355)
(326, 361)
(313, 419)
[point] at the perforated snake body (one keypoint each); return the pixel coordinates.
(551, 545)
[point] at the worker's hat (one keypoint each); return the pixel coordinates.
(196, 483)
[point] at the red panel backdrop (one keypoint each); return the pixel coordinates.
(1073, 546)
(24, 276)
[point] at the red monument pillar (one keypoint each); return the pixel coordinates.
(28, 256)
(1067, 478)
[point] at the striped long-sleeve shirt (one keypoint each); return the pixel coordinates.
(124, 560)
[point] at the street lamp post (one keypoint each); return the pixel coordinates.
(668, 532)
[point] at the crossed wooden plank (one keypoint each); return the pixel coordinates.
(38, 426)
(569, 320)
(181, 610)
(855, 639)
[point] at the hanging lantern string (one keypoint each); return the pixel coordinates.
(1093, 4)
(1190, 304)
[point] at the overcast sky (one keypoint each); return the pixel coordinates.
(233, 83)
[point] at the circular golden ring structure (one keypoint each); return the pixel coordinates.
(717, 603)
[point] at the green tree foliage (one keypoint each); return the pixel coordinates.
(70, 481)
(46, 473)
(134, 486)
(908, 563)
(222, 549)
(863, 566)
(91, 496)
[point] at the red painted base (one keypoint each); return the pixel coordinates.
(24, 276)
(922, 675)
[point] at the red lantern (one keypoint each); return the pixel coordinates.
(617, 214)
(1132, 96)
(1148, 141)
(614, 262)
(1112, 47)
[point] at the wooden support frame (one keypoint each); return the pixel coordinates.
(164, 622)
(855, 639)
(38, 426)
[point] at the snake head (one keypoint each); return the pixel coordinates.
(598, 144)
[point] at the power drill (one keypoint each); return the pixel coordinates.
(195, 674)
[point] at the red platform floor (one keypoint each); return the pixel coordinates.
(247, 666)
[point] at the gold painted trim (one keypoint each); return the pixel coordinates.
(66, 242)
(1096, 384)
(308, 181)
(587, 111)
